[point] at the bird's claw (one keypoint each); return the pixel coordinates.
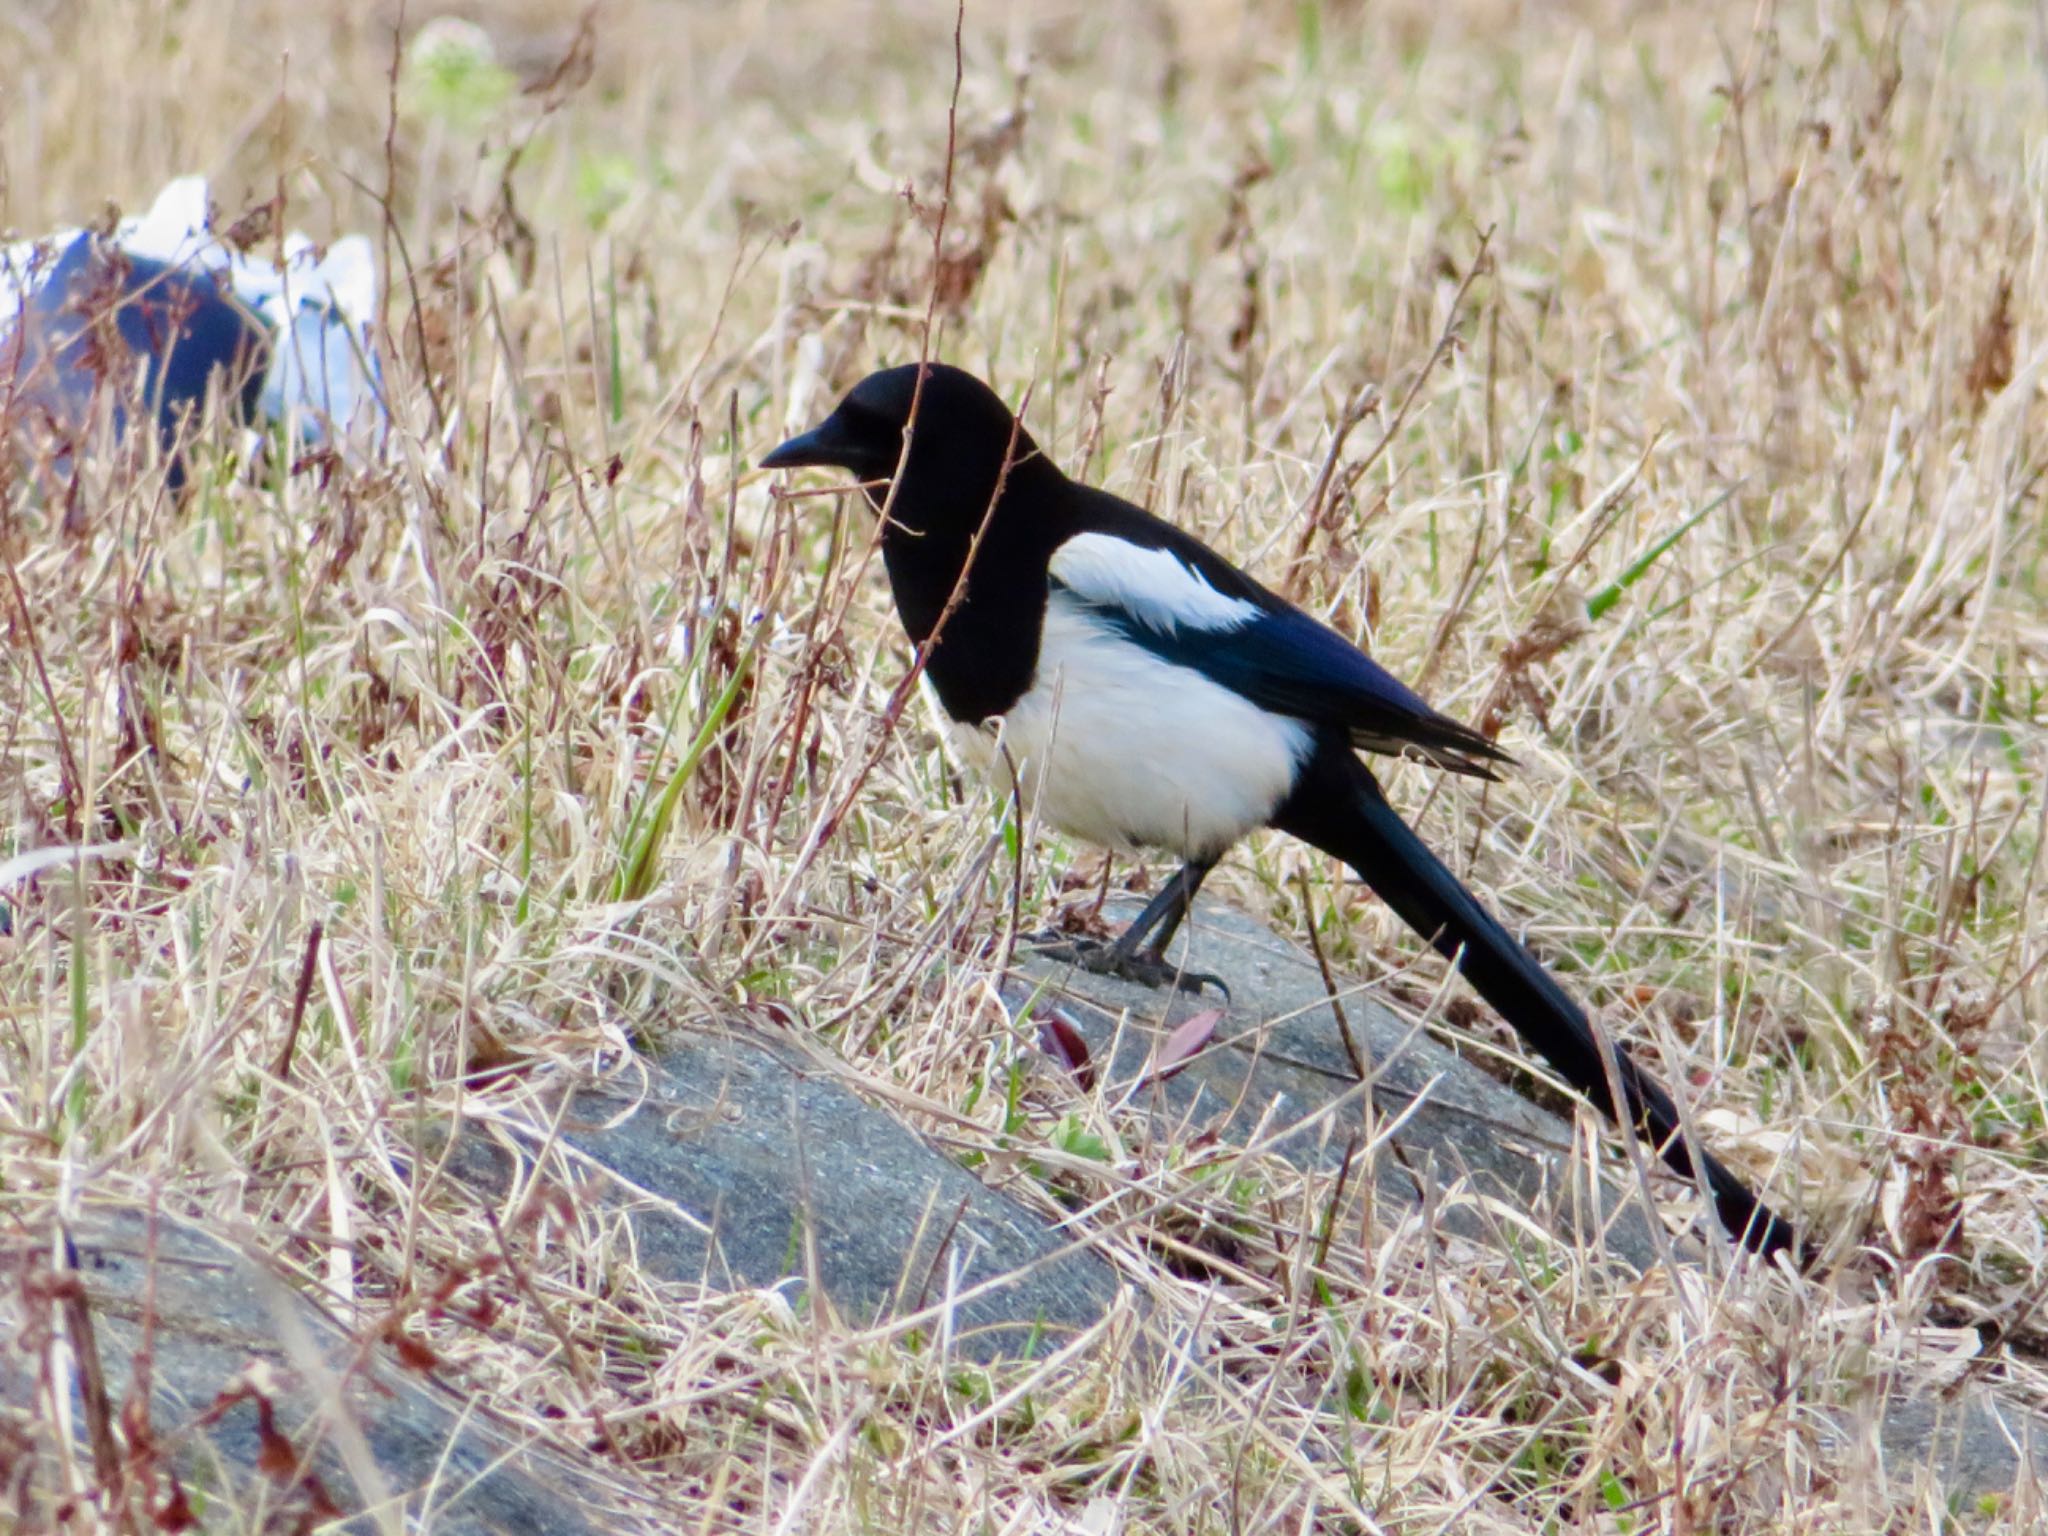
(1101, 957)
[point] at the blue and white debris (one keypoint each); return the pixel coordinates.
(287, 341)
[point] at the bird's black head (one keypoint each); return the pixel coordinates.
(961, 434)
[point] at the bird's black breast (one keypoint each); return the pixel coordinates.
(986, 651)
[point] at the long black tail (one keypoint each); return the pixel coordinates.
(1339, 807)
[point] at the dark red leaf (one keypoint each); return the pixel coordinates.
(412, 1353)
(1186, 1041)
(176, 1514)
(275, 1458)
(1058, 1038)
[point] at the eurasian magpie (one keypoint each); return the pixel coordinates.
(1144, 692)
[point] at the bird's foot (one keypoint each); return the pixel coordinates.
(1103, 957)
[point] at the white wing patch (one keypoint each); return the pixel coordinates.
(1123, 749)
(1149, 584)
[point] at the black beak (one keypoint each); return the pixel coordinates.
(826, 445)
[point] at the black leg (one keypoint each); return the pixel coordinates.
(1139, 952)
(1165, 912)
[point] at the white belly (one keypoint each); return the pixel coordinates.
(1119, 748)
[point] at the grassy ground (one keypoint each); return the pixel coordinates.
(1661, 387)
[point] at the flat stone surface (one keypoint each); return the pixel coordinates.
(441, 1459)
(1279, 1069)
(1973, 1446)
(743, 1165)
(1279, 1064)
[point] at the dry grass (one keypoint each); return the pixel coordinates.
(1762, 286)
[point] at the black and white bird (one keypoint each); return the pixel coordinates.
(1148, 694)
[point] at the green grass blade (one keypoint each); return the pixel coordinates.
(636, 877)
(1609, 595)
